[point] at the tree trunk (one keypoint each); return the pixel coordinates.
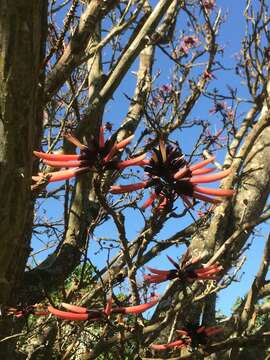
(22, 47)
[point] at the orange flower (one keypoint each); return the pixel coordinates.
(193, 335)
(188, 271)
(101, 155)
(81, 313)
(172, 177)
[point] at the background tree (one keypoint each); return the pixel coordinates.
(159, 62)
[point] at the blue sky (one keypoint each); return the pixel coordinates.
(231, 33)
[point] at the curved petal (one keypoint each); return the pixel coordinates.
(61, 164)
(76, 142)
(67, 315)
(56, 157)
(117, 147)
(210, 178)
(75, 308)
(124, 142)
(121, 189)
(202, 163)
(149, 201)
(155, 279)
(130, 162)
(137, 309)
(181, 173)
(66, 174)
(216, 192)
(182, 332)
(158, 272)
(177, 343)
(213, 330)
(203, 171)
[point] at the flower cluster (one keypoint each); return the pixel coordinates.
(82, 313)
(209, 4)
(162, 94)
(223, 109)
(171, 176)
(22, 311)
(101, 155)
(79, 313)
(193, 335)
(188, 42)
(214, 139)
(189, 270)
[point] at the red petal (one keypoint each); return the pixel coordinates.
(210, 178)
(181, 173)
(159, 272)
(124, 142)
(36, 178)
(137, 309)
(61, 164)
(66, 174)
(207, 272)
(120, 189)
(203, 171)
(149, 201)
(192, 261)
(213, 330)
(131, 162)
(208, 268)
(19, 314)
(56, 157)
(200, 330)
(202, 163)
(67, 315)
(117, 147)
(164, 203)
(41, 313)
(75, 141)
(75, 308)
(182, 332)
(216, 192)
(155, 279)
(177, 343)
(144, 162)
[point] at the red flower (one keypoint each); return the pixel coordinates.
(198, 334)
(209, 4)
(178, 344)
(100, 156)
(172, 177)
(188, 271)
(190, 41)
(21, 311)
(192, 335)
(208, 75)
(82, 313)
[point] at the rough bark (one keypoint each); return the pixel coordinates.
(22, 47)
(22, 28)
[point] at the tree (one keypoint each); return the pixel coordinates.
(57, 100)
